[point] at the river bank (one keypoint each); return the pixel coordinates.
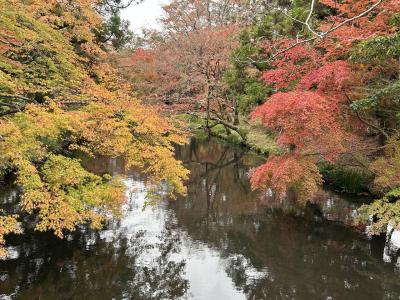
(342, 179)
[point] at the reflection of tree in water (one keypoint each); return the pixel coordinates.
(163, 279)
(50, 269)
(281, 251)
(213, 168)
(87, 265)
(304, 259)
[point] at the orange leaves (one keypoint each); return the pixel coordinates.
(188, 57)
(55, 59)
(142, 55)
(126, 128)
(158, 162)
(65, 195)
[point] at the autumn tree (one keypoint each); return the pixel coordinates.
(185, 65)
(321, 106)
(58, 95)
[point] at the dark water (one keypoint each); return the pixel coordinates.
(220, 242)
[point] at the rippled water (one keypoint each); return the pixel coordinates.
(220, 242)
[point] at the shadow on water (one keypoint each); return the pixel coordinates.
(219, 242)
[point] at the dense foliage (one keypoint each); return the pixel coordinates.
(182, 68)
(322, 77)
(59, 96)
(334, 99)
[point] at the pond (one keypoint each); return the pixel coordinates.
(222, 241)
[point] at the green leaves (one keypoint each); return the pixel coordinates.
(255, 93)
(377, 49)
(390, 93)
(381, 213)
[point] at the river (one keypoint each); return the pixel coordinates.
(222, 241)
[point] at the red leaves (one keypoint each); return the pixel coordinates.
(332, 79)
(308, 119)
(179, 69)
(281, 172)
(142, 55)
(291, 65)
(306, 122)
(279, 77)
(376, 23)
(277, 172)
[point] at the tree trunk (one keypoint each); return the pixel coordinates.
(208, 108)
(235, 113)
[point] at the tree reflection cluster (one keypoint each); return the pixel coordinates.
(277, 249)
(88, 266)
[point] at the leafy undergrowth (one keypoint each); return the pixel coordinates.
(259, 140)
(346, 179)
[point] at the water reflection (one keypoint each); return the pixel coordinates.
(279, 249)
(132, 259)
(220, 242)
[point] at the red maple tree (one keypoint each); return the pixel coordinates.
(314, 80)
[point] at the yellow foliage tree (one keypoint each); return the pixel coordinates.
(58, 94)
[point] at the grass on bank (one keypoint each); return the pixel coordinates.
(257, 137)
(346, 179)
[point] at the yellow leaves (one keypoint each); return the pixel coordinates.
(310, 182)
(62, 193)
(67, 195)
(8, 224)
(125, 128)
(60, 171)
(386, 212)
(159, 163)
(29, 135)
(15, 144)
(41, 58)
(102, 131)
(387, 168)
(53, 58)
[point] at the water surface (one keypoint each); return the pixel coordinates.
(220, 242)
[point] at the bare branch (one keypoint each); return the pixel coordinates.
(10, 96)
(353, 18)
(9, 112)
(8, 43)
(307, 22)
(317, 35)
